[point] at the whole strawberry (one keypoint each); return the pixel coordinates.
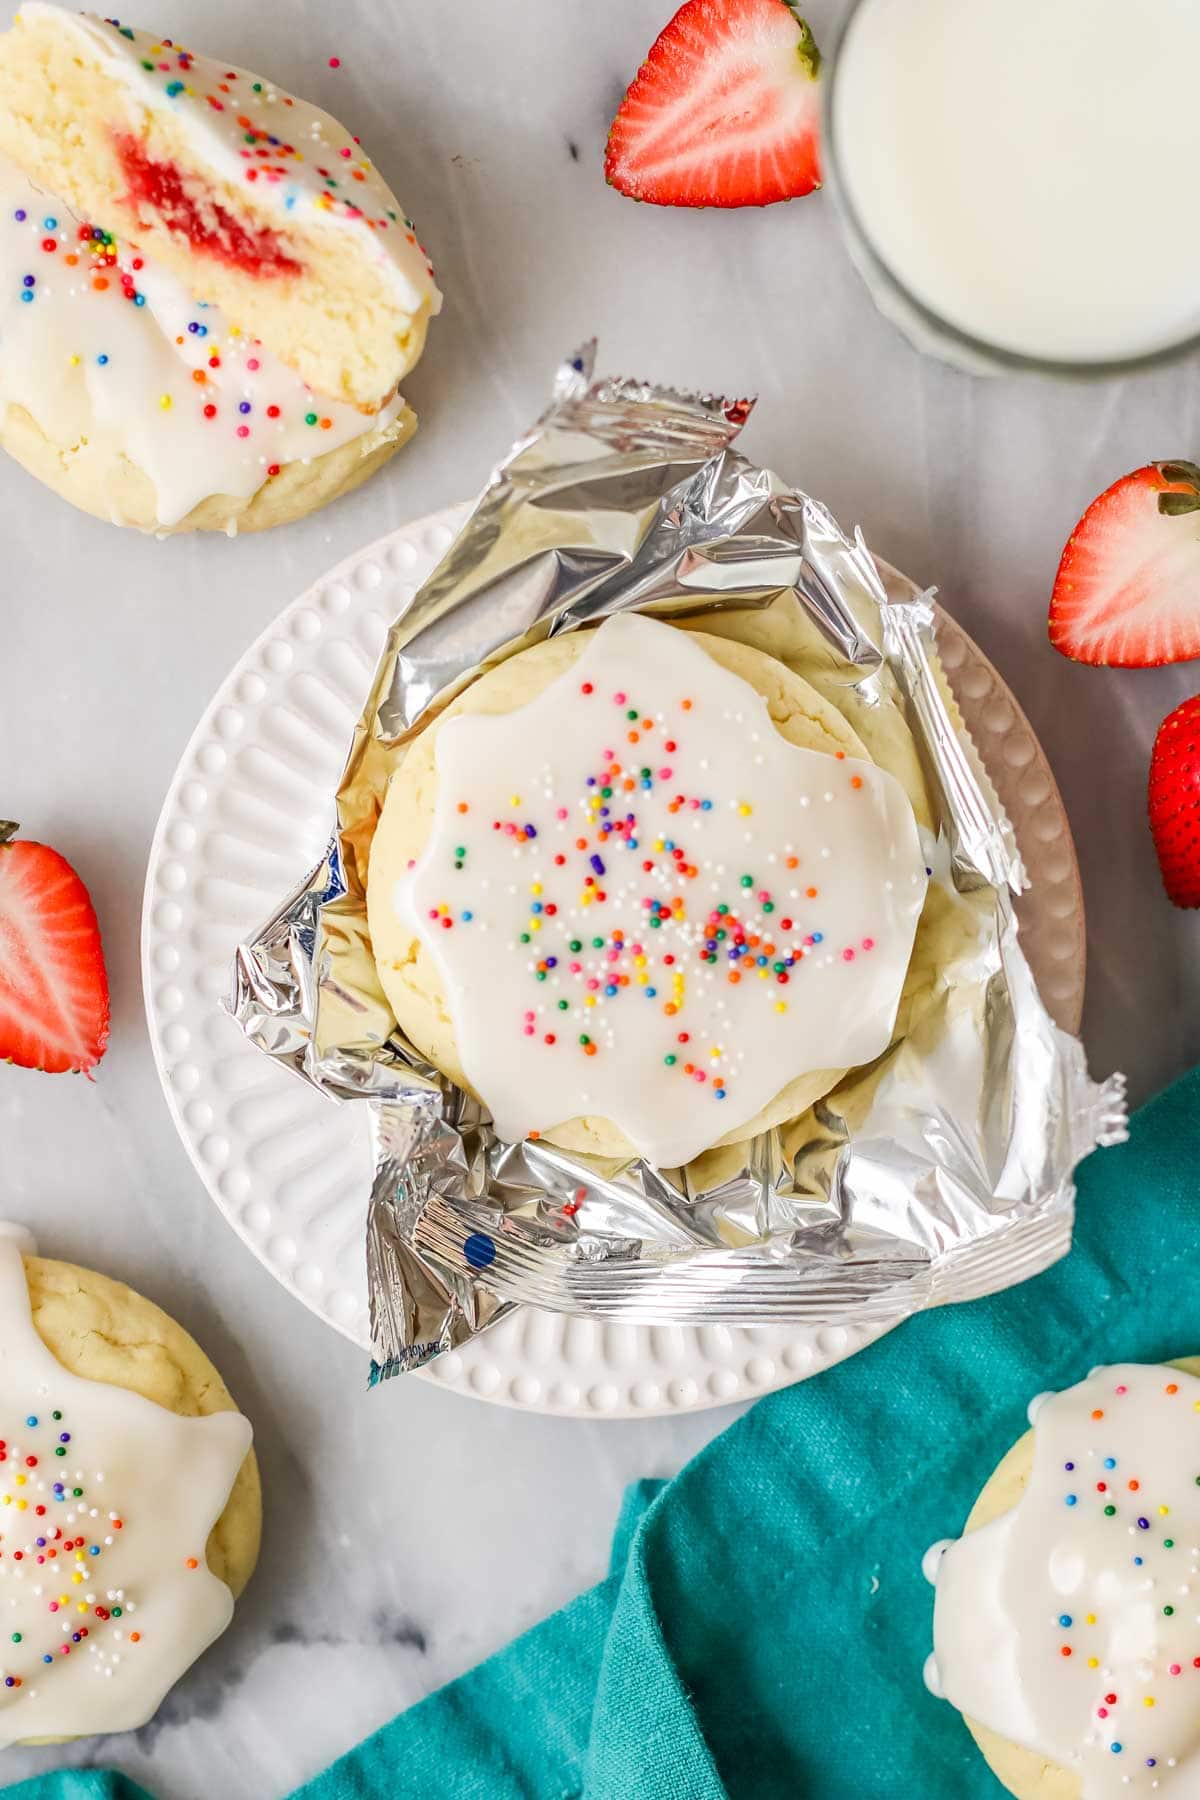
(1174, 801)
(53, 986)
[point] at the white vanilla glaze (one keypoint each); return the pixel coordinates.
(90, 364)
(92, 1636)
(302, 163)
(1071, 1625)
(836, 885)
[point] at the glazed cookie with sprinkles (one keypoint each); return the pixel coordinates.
(1066, 1627)
(208, 295)
(643, 891)
(130, 1511)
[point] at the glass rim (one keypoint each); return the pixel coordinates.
(973, 349)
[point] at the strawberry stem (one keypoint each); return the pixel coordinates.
(806, 49)
(8, 830)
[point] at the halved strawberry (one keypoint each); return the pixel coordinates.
(53, 988)
(1127, 593)
(724, 111)
(1174, 801)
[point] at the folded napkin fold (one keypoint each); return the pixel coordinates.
(762, 1632)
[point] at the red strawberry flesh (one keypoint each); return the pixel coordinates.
(1174, 802)
(724, 111)
(53, 987)
(1127, 593)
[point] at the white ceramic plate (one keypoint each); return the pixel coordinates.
(245, 816)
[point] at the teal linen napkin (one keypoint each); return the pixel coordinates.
(762, 1631)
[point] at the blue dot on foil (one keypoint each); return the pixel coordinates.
(479, 1250)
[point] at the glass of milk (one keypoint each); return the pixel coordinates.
(1015, 182)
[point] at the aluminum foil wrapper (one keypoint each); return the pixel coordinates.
(942, 1172)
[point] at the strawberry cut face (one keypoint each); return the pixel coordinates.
(159, 194)
(723, 112)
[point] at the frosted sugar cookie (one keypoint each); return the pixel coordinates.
(1065, 1620)
(130, 1512)
(642, 889)
(258, 202)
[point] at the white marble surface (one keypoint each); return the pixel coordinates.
(410, 1532)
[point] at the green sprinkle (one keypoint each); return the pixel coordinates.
(721, 934)
(576, 945)
(584, 1038)
(779, 968)
(77, 1493)
(722, 909)
(655, 923)
(460, 850)
(632, 713)
(310, 418)
(747, 881)
(1168, 1543)
(768, 906)
(116, 1612)
(524, 937)
(1168, 1612)
(56, 1415)
(16, 1637)
(1109, 1511)
(645, 774)
(59, 1450)
(606, 793)
(541, 974)
(597, 943)
(562, 1005)
(257, 87)
(670, 1061)
(247, 137)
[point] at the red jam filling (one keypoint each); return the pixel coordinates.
(158, 195)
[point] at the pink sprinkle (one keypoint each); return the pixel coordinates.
(412, 862)
(243, 431)
(765, 894)
(335, 62)
(665, 774)
(847, 956)
(433, 912)
(1102, 1712)
(619, 699)
(346, 153)
(1122, 1390)
(1175, 1669)
(868, 943)
(575, 968)
(561, 813)
(254, 363)
(529, 1031)
(593, 984)
(54, 1606)
(529, 1017)
(606, 755)
(614, 956)
(700, 1075)
(647, 903)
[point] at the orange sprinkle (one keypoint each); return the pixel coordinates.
(589, 1049)
(733, 978)
(647, 724)
(811, 893)
(1098, 1413)
(840, 755)
(793, 862)
(1172, 1387)
(71, 259)
(191, 1563)
(199, 375)
(135, 1637)
(326, 424)
(463, 807)
(856, 781)
(633, 737)
(686, 705)
(99, 282)
(581, 843)
(670, 1009)
(534, 1136)
(1134, 1486)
